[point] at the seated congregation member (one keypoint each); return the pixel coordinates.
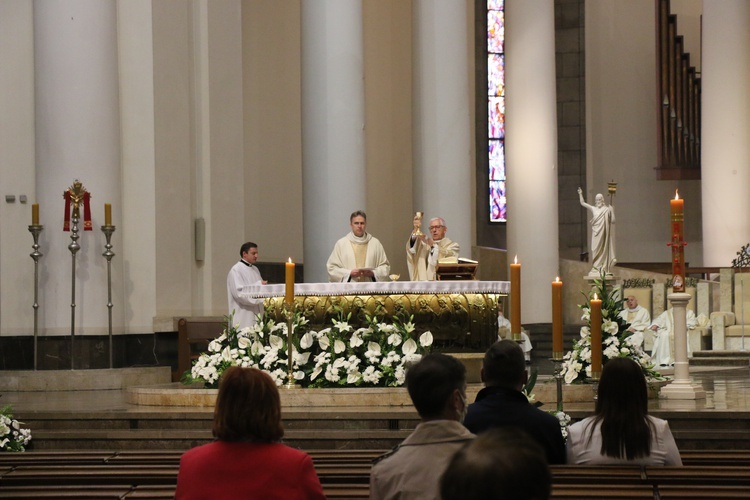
(662, 354)
(437, 387)
(358, 256)
(247, 459)
(502, 404)
(621, 431)
(637, 317)
(499, 464)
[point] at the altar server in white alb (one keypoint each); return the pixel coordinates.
(432, 249)
(663, 327)
(637, 317)
(246, 310)
(358, 256)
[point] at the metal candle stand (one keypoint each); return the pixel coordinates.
(108, 229)
(558, 361)
(291, 383)
(73, 247)
(35, 230)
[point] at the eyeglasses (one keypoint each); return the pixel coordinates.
(435, 227)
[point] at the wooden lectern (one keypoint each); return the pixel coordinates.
(463, 269)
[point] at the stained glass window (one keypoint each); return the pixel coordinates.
(496, 108)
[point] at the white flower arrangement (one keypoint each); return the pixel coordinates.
(336, 356)
(12, 436)
(564, 420)
(617, 341)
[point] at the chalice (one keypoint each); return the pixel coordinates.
(394, 277)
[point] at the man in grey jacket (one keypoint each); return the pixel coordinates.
(437, 387)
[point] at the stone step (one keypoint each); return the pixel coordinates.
(721, 354)
(719, 361)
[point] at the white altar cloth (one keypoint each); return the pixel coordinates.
(379, 288)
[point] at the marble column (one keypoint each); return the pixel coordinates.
(333, 155)
(442, 182)
(77, 137)
(531, 151)
(725, 153)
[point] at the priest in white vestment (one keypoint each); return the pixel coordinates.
(247, 311)
(637, 317)
(358, 256)
(503, 333)
(663, 327)
(423, 253)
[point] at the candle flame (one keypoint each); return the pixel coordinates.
(676, 195)
(515, 259)
(290, 260)
(595, 297)
(557, 279)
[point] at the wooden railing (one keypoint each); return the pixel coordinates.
(679, 122)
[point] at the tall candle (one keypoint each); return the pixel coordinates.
(557, 319)
(677, 216)
(515, 299)
(35, 214)
(289, 268)
(596, 337)
(107, 214)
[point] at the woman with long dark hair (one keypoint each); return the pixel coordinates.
(247, 459)
(621, 430)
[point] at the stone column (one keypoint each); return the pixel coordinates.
(77, 137)
(333, 155)
(681, 387)
(725, 153)
(442, 182)
(531, 151)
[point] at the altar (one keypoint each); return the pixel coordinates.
(461, 315)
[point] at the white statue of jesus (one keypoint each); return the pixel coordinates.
(602, 234)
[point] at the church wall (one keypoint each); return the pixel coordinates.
(621, 106)
(272, 126)
(17, 167)
(174, 158)
(134, 241)
(388, 126)
(221, 166)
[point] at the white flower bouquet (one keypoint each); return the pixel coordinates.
(336, 356)
(617, 341)
(12, 436)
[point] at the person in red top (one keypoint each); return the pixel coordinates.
(247, 459)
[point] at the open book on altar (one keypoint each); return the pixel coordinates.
(456, 269)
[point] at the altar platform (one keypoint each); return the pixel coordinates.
(106, 420)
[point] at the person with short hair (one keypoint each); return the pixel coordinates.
(437, 387)
(247, 460)
(500, 464)
(502, 404)
(246, 310)
(621, 430)
(358, 256)
(637, 318)
(423, 253)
